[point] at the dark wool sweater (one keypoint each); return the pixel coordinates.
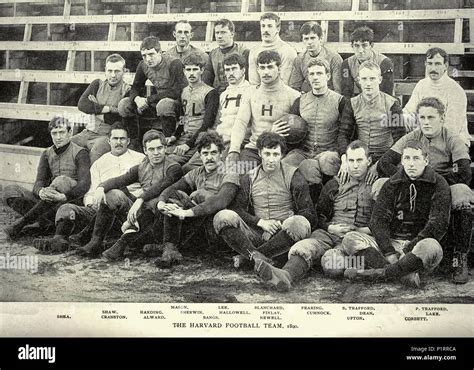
(411, 210)
(44, 177)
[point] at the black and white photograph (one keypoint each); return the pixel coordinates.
(236, 167)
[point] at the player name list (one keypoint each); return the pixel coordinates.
(231, 319)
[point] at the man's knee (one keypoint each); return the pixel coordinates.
(311, 250)
(429, 251)
(116, 199)
(329, 163)
(461, 196)
(311, 171)
(66, 212)
(126, 108)
(377, 186)
(63, 184)
(297, 227)
(225, 218)
(15, 191)
(354, 242)
(166, 107)
(333, 262)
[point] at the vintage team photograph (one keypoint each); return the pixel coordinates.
(237, 151)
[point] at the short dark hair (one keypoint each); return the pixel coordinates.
(320, 62)
(59, 121)
(207, 138)
(356, 144)
(113, 58)
(153, 135)
(271, 16)
(434, 51)
(118, 126)
(150, 42)
(271, 140)
(433, 103)
(268, 56)
(234, 58)
(309, 27)
(416, 144)
(363, 33)
(223, 22)
(194, 59)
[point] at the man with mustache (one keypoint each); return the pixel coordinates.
(362, 41)
(214, 73)
(189, 205)
(166, 75)
(311, 34)
(374, 117)
(449, 157)
(229, 104)
(114, 202)
(199, 103)
(438, 84)
(272, 209)
(72, 217)
(260, 110)
(183, 33)
(410, 217)
(63, 176)
(270, 25)
(101, 100)
(341, 208)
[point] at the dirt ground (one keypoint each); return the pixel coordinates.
(201, 278)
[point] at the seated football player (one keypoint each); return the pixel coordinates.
(189, 205)
(272, 209)
(373, 117)
(166, 75)
(362, 42)
(115, 202)
(409, 220)
(73, 217)
(341, 208)
(261, 108)
(200, 103)
(229, 104)
(311, 34)
(318, 155)
(450, 158)
(101, 100)
(63, 176)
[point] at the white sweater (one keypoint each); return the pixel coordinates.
(452, 95)
(287, 53)
(109, 166)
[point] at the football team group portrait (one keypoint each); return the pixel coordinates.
(279, 164)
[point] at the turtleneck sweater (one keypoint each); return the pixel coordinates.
(261, 106)
(452, 95)
(287, 53)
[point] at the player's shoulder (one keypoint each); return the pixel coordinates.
(289, 91)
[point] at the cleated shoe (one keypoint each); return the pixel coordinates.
(460, 268)
(171, 256)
